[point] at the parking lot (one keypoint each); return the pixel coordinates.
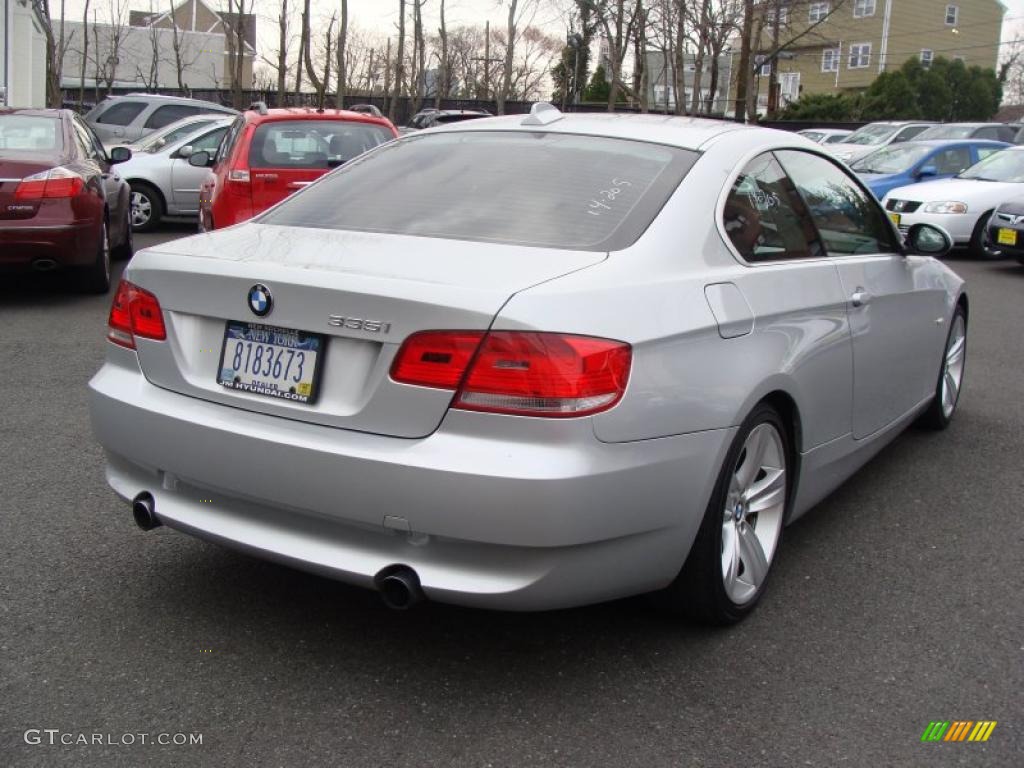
(893, 604)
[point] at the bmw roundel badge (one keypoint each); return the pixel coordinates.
(260, 300)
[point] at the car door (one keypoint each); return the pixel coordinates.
(895, 310)
(949, 161)
(112, 125)
(96, 156)
(186, 179)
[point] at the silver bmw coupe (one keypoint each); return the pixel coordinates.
(532, 362)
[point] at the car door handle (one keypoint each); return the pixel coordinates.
(860, 298)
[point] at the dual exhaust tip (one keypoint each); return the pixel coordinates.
(399, 585)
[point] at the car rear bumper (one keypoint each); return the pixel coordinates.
(545, 517)
(24, 244)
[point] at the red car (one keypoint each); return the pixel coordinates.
(61, 205)
(269, 153)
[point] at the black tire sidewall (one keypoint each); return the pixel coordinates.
(156, 208)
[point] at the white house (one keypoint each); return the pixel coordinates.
(22, 55)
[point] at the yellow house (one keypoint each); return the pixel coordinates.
(843, 45)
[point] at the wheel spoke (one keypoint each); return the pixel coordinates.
(956, 351)
(754, 449)
(949, 388)
(768, 492)
(730, 557)
(755, 564)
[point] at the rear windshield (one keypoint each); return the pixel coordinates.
(541, 189)
(313, 143)
(28, 133)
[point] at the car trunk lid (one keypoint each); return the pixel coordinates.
(364, 292)
(13, 168)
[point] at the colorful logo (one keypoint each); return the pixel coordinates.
(260, 300)
(958, 730)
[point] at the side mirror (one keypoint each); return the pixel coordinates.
(185, 152)
(120, 155)
(928, 170)
(200, 159)
(928, 240)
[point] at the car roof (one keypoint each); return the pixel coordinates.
(310, 113)
(33, 112)
(948, 143)
(683, 132)
(142, 95)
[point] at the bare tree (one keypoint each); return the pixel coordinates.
(184, 57)
(282, 53)
(510, 47)
(443, 82)
(235, 34)
(342, 65)
(56, 48)
(399, 64)
(106, 57)
(85, 54)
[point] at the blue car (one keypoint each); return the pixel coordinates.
(899, 165)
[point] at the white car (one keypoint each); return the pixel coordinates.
(873, 137)
(961, 205)
(825, 135)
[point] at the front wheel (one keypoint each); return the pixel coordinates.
(951, 375)
(727, 569)
(146, 206)
(980, 247)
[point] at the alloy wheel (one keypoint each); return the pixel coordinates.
(752, 518)
(953, 367)
(142, 209)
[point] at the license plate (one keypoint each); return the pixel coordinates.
(276, 362)
(1006, 237)
(895, 218)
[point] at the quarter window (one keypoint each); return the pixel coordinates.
(849, 219)
(121, 113)
(862, 8)
(764, 216)
(860, 55)
(817, 12)
(952, 15)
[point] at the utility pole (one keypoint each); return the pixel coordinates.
(487, 60)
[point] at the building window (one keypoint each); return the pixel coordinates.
(860, 56)
(862, 8)
(817, 12)
(830, 60)
(926, 58)
(766, 69)
(952, 15)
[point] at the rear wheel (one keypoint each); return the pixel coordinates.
(727, 569)
(147, 207)
(951, 375)
(95, 278)
(126, 249)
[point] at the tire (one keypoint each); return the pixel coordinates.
(951, 375)
(147, 207)
(979, 246)
(745, 516)
(95, 278)
(126, 249)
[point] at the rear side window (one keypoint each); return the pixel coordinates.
(849, 219)
(169, 113)
(227, 146)
(764, 216)
(121, 113)
(540, 189)
(312, 143)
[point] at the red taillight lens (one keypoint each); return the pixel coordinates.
(54, 183)
(523, 373)
(435, 358)
(135, 312)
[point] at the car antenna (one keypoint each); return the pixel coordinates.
(543, 113)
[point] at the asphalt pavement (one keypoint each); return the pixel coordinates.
(895, 603)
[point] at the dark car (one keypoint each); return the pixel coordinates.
(61, 205)
(1006, 230)
(428, 118)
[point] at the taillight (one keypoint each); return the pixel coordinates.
(514, 372)
(135, 312)
(54, 183)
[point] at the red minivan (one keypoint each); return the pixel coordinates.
(269, 153)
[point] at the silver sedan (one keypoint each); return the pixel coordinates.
(529, 363)
(162, 181)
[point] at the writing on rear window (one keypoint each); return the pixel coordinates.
(605, 196)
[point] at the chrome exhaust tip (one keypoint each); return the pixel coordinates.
(144, 511)
(399, 587)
